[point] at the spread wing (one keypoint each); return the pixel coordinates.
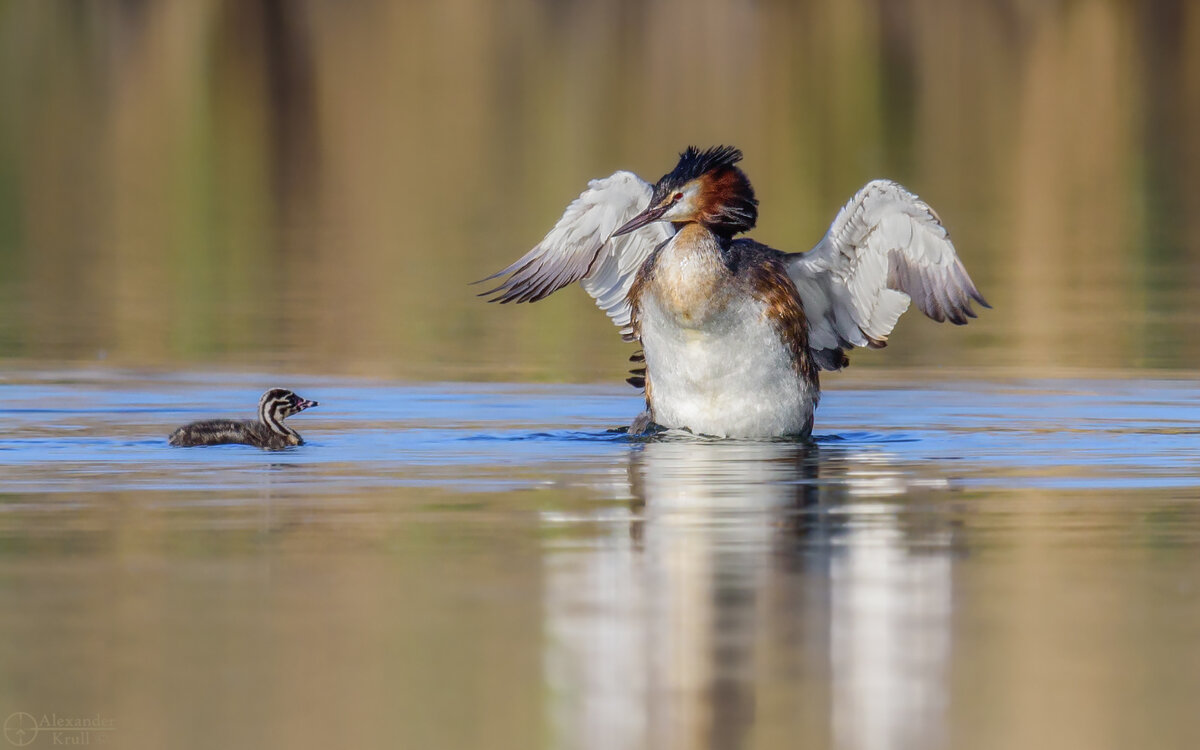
(886, 248)
(580, 248)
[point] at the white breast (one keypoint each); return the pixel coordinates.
(725, 373)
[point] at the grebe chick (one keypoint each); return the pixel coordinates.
(733, 333)
(268, 433)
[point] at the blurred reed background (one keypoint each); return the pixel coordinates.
(311, 185)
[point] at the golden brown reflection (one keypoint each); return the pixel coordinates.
(781, 596)
(762, 591)
(716, 595)
(270, 621)
(307, 185)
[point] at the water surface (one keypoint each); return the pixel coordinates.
(972, 562)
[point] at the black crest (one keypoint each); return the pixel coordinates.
(693, 162)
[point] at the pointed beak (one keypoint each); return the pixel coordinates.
(305, 404)
(642, 219)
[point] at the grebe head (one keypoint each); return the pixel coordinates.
(704, 187)
(277, 405)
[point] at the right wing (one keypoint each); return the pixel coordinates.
(580, 248)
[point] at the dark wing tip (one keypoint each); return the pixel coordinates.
(505, 290)
(522, 263)
(502, 294)
(489, 292)
(523, 285)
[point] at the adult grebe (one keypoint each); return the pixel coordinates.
(734, 332)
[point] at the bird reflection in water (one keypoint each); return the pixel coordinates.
(734, 567)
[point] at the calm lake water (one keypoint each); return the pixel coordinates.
(971, 562)
(993, 542)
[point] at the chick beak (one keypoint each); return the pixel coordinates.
(304, 403)
(645, 217)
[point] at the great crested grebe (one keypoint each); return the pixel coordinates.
(269, 432)
(733, 333)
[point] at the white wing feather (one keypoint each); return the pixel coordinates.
(885, 248)
(581, 248)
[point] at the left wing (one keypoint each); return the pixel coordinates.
(581, 248)
(885, 248)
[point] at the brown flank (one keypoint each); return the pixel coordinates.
(770, 283)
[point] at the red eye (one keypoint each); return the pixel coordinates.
(679, 196)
